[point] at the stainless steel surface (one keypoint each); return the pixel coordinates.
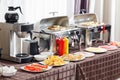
(22, 34)
(85, 18)
(10, 42)
(48, 37)
(47, 22)
(81, 18)
(74, 40)
(92, 32)
(88, 38)
(18, 29)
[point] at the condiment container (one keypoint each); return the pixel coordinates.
(62, 46)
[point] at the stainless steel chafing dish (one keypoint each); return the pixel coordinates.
(50, 28)
(91, 29)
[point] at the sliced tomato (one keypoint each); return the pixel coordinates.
(44, 66)
(31, 68)
(35, 67)
(39, 65)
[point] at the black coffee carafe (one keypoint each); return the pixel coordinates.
(34, 47)
(12, 16)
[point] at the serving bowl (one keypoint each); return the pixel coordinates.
(8, 74)
(40, 57)
(47, 53)
(8, 71)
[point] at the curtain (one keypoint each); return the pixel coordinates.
(81, 6)
(77, 6)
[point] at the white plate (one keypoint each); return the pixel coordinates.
(89, 54)
(49, 67)
(83, 57)
(108, 47)
(86, 54)
(66, 62)
(96, 50)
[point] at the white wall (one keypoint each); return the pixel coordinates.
(92, 6)
(34, 10)
(98, 9)
(70, 10)
(4, 7)
(117, 20)
(107, 10)
(109, 15)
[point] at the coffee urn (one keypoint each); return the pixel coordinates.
(12, 40)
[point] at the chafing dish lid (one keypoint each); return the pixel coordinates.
(61, 20)
(85, 18)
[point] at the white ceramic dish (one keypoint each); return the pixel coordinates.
(73, 57)
(9, 74)
(47, 53)
(49, 67)
(8, 71)
(86, 54)
(66, 62)
(109, 47)
(95, 50)
(89, 54)
(77, 59)
(40, 57)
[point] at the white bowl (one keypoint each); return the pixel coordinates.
(47, 53)
(8, 71)
(8, 74)
(40, 57)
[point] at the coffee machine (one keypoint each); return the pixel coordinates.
(13, 38)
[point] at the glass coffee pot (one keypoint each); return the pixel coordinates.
(12, 16)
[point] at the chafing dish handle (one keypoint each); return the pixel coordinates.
(42, 32)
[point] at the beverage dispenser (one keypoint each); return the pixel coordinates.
(13, 38)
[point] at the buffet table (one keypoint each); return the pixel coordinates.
(105, 66)
(66, 72)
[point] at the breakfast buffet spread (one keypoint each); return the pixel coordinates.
(51, 60)
(66, 45)
(54, 62)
